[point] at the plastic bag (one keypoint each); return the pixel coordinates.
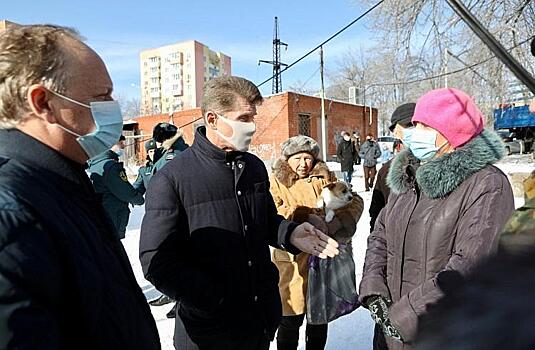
(332, 290)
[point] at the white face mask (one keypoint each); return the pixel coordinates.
(347, 138)
(242, 133)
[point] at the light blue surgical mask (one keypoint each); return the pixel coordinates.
(108, 126)
(422, 143)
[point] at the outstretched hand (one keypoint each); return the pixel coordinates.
(308, 239)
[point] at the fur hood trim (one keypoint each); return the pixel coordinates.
(286, 176)
(439, 177)
(167, 144)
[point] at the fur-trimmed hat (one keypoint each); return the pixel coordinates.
(298, 144)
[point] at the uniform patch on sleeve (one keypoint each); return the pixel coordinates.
(123, 177)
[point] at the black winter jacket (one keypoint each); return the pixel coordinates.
(346, 154)
(65, 279)
(204, 240)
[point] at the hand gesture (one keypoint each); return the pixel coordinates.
(310, 240)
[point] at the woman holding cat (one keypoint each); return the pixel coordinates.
(297, 180)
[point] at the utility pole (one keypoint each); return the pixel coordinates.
(323, 121)
(276, 63)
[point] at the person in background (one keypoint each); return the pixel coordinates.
(297, 180)
(447, 207)
(109, 179)
(369, 153)
(172, 144)
(145, 172)
(346, 156)
(400, 120)
(65, 279)
(208, 225)
(355, 138)
(141, 184)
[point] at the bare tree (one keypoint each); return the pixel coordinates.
(423, 43)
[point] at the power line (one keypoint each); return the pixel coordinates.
(449, 73)
(325, 42)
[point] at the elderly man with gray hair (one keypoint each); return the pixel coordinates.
(65, 279)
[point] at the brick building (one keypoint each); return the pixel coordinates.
(280, 116)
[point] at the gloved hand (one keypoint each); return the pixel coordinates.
(390, 331)
(378, 307)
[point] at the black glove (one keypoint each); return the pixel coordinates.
(378, 307)
(390, 331)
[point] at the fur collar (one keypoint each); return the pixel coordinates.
(286, 176)
(167, 144)
(439, 177)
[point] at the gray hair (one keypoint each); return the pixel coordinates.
(32, 54)
(220, 93)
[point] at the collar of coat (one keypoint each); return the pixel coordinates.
(168, 144)
(441, 176)
(286, 176)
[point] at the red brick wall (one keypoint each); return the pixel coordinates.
(277, 120)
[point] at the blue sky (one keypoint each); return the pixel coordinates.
(119, 30)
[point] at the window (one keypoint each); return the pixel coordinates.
(304, 124)
(175, 66)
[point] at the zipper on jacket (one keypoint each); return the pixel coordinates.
(415, 192)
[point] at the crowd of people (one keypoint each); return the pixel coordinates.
(447, 262)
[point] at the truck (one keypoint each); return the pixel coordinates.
(516, 127)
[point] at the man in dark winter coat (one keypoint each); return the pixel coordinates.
(65, 279)
(369, 153)
(447, 207)
(400, 120)
(346, 154)
(209, 219)
(145, 172)
(110, 182)
(172, 144)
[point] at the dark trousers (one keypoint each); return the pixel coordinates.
(369, 176)
(288, 334)
(219, 341)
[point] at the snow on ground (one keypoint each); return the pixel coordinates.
(354, 331)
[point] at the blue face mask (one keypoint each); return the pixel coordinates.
(108, 126)
(421, 143)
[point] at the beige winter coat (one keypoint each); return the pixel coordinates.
(290, 192)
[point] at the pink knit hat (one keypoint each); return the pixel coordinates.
(450, 112)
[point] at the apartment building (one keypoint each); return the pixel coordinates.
(173, 76)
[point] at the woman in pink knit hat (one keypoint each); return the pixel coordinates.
(447, 206)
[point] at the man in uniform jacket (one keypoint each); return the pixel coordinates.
(109, 179)
(65, 279)
(145, 172)
(209, 220)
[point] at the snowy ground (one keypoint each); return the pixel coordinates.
(353, 331)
